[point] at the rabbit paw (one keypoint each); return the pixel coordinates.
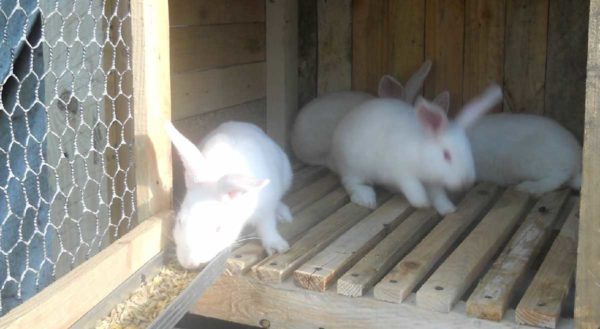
(274, 245)
(441, 203)
(283, 213)
(444, 207)
(364, 196)
(539, 187)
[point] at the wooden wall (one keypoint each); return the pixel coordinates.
(217, 66)
(535, 48)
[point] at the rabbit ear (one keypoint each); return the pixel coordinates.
(389, 87)
(193, 161)
(479, 106)
(415, 82)
(443, 100)
(231, 187)
(431, 116)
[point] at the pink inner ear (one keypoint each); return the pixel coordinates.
(233, 194)
(433, 120)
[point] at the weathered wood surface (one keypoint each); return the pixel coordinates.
(542, 303)
(282, 68)
(322, 269)
(219, 88)
(399, 283)
(484, 45)
(277, 268)
(361, 277)
(525, 54)
(243, 299)
(335, 45)
(587, 295)
(460, 270)
(444, 45)
(493, 293)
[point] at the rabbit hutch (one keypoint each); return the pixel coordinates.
(89, 185)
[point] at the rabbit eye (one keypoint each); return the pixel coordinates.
(447, 156)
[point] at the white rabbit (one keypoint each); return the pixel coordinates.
(419, 152)
(532, 151)
(236, 176)
(316, 121)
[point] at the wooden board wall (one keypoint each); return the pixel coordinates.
(535, 49)
(218, 70)
(217, 54)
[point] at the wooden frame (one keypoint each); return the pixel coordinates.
(282, 67)
(587, 297)
(152, 108)
(288, 306)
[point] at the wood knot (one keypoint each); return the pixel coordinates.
(410, 265)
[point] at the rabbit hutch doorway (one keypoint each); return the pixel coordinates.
(100, 78)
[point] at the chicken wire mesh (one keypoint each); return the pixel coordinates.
(66, 137)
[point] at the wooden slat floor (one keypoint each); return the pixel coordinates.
(503, 260)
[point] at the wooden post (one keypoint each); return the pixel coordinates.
(587, 295)
(152, 105)
(282, 67)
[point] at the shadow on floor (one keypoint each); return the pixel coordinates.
(191, 321)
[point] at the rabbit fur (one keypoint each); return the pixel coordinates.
(236, 176)
(316, 121)
(413, 150)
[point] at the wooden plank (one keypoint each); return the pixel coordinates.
(525, 54)
(196, 48)
(177, 308)
(484, 46)
(278, 267)
(444, 45)
(322, 269)
(247, 256)
(406, 37)
(282, 68)
(207, 12)
(200, 92)
(369, 43)
(399, 283)
(447, 284)
(152, 106)
(121, 293)
(542, 303)
(566, 58)
(308, 45)
(335, 45)
(120, 259)
(380, 259)
(305, 176)
(587, 294)
(493, 293)
(303, 197)
(243, 299)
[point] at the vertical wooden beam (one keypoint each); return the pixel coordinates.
(335, 45)
(484, 45)
(282, 67)
(307, 51)
(369, 43)
(525, 54)
(444, 45)
(152, 105)
(566, 68)
(406, 37)
(587, 296)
